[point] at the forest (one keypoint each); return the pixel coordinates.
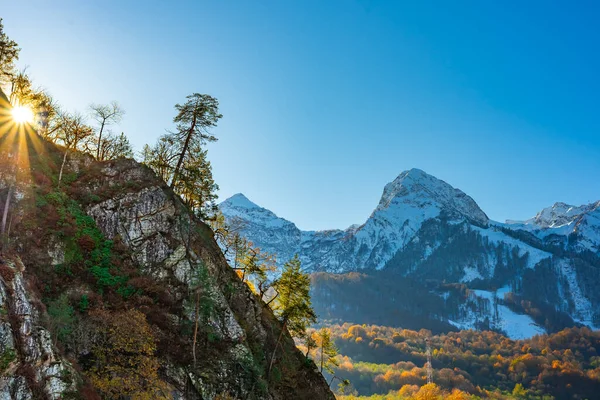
(390, 363)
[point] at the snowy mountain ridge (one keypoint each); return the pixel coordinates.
(564, 220)
(425, 229)
(412, 198)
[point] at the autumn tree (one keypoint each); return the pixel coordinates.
(124, 360)
(310, 341)
(113, 147)
(160, 157)
(327, 350)
(430, 391)
(23, 93)
(292, 303)
(104, 115)
(9, 53)
(73, 134)
(253, 265)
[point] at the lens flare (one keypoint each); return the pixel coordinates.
(22, 114)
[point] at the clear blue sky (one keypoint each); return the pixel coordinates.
(324, 102)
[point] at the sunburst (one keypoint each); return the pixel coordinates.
(22, 114)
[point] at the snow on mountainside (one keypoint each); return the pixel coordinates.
(563, 220)
(516, 326)
(425, 229)
(265, 229)
(412, 198)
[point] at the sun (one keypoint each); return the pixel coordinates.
(22, 114)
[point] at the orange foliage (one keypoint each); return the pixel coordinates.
(125, 364)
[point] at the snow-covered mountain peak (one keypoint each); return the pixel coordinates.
(241, 207)
(559, 215)
(563, 220)
(419, 189)
(423, 228)
(240, 201)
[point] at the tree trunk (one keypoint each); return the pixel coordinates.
(182, 155)
(321, 357)
(5, 216)
(62, 166)
(331, 381)
(275, 349)
(196, 325)
(100, 139)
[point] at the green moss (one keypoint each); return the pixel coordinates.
(84, 303)
(6, 358)
(61, 315)
(87, 234)
(275, 375)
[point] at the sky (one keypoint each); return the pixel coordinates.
(324, 102)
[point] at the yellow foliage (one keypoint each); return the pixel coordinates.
(429, 392)
(125, 364)
(408, 390)
(458, 395)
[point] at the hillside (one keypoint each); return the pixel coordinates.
(435, 242)
(382, 361)
(99, 279)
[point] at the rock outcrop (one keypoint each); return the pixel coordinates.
(30, 362)
(112, 238)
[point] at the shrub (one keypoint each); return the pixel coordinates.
(7, 273)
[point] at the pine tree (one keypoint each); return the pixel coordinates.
(292, 303)
(9, 53)
(180, 159)
(199, 113)
(327, 350)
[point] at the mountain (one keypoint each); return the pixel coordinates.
(411, 199)
(578, 225)
(433, 242)
(96, 283)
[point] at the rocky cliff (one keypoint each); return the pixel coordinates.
(111, 245)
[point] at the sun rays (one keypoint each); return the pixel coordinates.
(22, 115)
(18, 143)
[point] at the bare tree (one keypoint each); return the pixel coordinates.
(113, 147)
(105, 115)
(73, 133)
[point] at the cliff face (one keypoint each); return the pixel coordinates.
(170, 243)
(30, 363)
(112, 240)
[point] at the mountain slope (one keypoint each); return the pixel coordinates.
(98, 279)
(575, 228)
(425, 230)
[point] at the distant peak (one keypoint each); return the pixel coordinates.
(241, 201)
(409, 178)
(420, 189)
(414, 173)
(560, 214)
